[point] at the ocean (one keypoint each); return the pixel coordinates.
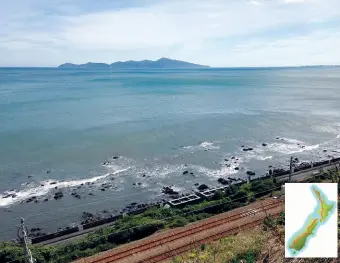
(61, 128)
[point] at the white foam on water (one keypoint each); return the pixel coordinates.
(327, 129)
(223, 171)
(338, 136)
(290, 140)
(208, 145)
(262, 158)
(202, 145)
(290, 148)
(45, 187)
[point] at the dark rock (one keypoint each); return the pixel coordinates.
(42, 185)
(90, 193)
(87, 215)
(29, 176)
(226, 160)
(237, 168)
(53, 182)
(197, 184)
(191, 173)
(324, 151)
(223, 181)
(102, 189)
(56, 187)
(46, 200)
(278, 170)
(115, 157)
(169, 191)
(250, 173)
(139, 183)
(202, 187)
(143, 175)
(31, 199)
(185, 172)
(106, 163)
(277, 138)
(242, 146)
(48, 171)
(264, 144)
(233, 157)
(36, 201)
(77, 196)
(58, 195)
(247, 149)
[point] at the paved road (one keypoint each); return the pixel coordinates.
(302, 175)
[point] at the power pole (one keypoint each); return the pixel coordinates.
(290, 169)
(22, 234)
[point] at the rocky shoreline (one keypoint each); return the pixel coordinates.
(87, 188)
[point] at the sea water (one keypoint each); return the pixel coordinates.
(58, 127)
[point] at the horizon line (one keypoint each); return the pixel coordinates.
(207, 67)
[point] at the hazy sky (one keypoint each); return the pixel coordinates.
(215, 33)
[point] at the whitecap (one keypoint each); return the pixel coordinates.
(223, 171)
(290, 140)
(45, 187)
(202, 145)
(290, 148)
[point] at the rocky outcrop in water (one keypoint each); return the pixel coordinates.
(202, 187)
(223, 181)
(169, 191)
(58, 195)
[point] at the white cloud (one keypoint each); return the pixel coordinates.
(190, 30)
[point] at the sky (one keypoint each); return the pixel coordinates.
(219, 33)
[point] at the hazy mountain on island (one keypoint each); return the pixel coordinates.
(161, 63)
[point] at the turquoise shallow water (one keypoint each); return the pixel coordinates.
(61, 125)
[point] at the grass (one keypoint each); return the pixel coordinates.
(244, 246)
(136, 227)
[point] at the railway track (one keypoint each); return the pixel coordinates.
(196, 243)
(117, 255)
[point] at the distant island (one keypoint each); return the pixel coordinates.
(162, 63)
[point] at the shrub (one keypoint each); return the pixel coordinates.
(178, 222)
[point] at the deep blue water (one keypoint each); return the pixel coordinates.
(61, 125)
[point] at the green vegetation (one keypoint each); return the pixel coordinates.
(139, 226)
(135, 227)
(243, 247)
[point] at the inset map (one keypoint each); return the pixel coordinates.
(311, 220)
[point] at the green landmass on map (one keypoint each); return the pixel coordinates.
(321, 213)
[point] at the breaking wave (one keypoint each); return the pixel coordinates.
(45, 187)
